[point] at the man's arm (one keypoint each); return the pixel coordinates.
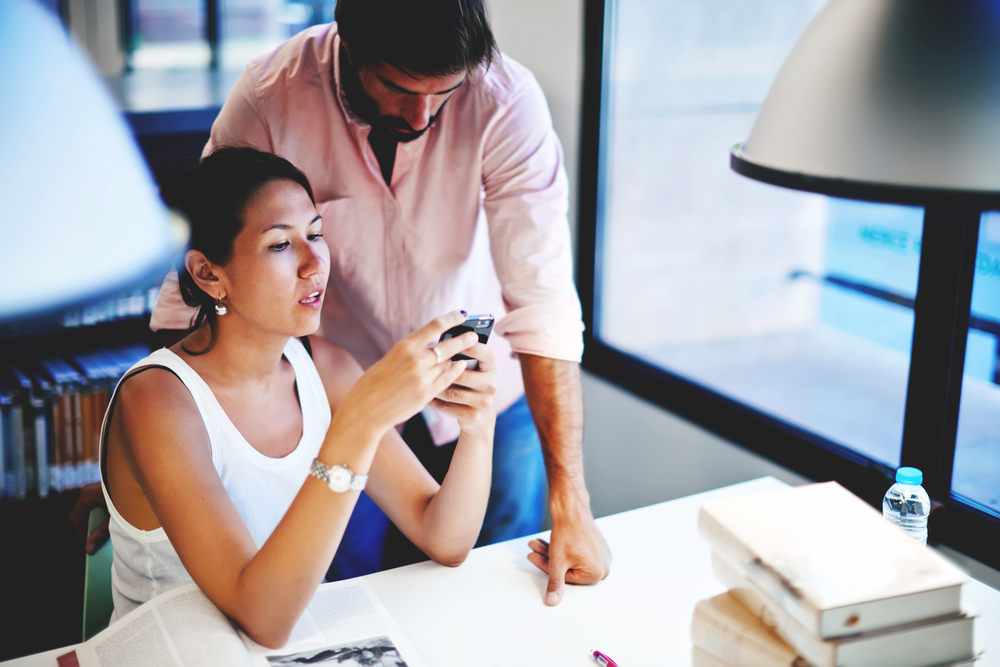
(578, 553)
(526, 204)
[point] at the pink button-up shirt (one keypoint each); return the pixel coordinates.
(475, 218)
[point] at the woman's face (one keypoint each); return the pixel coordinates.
(277, 276)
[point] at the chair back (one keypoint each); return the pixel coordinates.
(97, 602)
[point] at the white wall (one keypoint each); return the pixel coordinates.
(636, 453)
(546, 36)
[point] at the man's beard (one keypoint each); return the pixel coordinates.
(366, 108)
(389, 124)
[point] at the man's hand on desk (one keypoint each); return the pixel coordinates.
(578, 554)
(91, 496)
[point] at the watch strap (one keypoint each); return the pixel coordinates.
(321, 471)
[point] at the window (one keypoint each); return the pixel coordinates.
(976, 475)
(781, 320)
(157, 35)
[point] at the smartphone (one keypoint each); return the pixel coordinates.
(481, 324)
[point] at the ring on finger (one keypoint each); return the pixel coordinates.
(437, 354)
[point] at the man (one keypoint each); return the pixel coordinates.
(440, 182)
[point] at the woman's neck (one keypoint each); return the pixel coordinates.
(239, 357)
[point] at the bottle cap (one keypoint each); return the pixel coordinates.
(911, 476)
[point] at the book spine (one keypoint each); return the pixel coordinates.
(68, 449)
(41, 447)
(79, 456)
(4, 417)
(20, 488)
(817, 652)
(30, 444)
(86, 428)
(50, 439)
(58, 445)
(737, 554)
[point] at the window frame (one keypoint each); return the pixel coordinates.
(936, 363)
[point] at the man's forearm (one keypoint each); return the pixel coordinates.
(552, 388)
(577, 553)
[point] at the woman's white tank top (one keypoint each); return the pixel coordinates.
(262, 488)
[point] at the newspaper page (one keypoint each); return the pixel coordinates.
(344, 625)
(181, 628)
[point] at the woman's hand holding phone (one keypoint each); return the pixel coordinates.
(470, 399)
(409, 376)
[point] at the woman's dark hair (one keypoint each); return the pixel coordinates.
(419, 37)
(212, 195)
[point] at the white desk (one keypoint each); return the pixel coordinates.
(489, 611)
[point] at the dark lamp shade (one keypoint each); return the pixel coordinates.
(80, 216)
(887, 100)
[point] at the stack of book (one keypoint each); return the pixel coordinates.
(818, 578)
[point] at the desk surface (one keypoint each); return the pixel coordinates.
(489, 611)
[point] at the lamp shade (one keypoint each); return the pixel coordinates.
(80, 216)
(886, 100)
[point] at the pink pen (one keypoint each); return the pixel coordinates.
(603, 660)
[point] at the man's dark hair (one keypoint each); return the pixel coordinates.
(213, 195)
(419, 37)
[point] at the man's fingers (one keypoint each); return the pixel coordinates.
(98, 537)
(554, 591)
(539, 561)
(539, 545)
(581, 576)
(557, 575)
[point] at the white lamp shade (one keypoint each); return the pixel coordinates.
(900, 98)
(79, 214)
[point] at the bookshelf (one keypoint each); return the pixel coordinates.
(43, 557)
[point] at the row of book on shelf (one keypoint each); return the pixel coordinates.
(51, 412)
(817, 578)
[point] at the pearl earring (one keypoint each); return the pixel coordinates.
(220, 308)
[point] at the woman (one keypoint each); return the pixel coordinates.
(208, 447)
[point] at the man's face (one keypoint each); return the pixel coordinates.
(406, 106)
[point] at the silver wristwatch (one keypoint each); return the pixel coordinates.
(339, 478)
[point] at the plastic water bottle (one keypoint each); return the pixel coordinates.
(907, 505)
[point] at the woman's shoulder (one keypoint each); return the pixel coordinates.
(155, 393)
(337, 368)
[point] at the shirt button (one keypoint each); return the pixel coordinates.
(394, 261)
(392, 206)
(406, 148)
(397, 314)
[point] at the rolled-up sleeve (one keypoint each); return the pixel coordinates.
(526, 205)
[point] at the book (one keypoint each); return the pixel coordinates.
(344, 624)
(35, 457)
(702, 658)
(62, 378)
(830, 561)
(6, 443)
(723, 627)
(19, 489)
(929, 642)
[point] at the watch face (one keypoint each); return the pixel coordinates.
(340, 478)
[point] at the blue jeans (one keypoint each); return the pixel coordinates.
(515, 508)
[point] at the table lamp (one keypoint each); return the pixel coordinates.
(898, 101)
(80, 217)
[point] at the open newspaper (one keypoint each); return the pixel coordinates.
(344, 625)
